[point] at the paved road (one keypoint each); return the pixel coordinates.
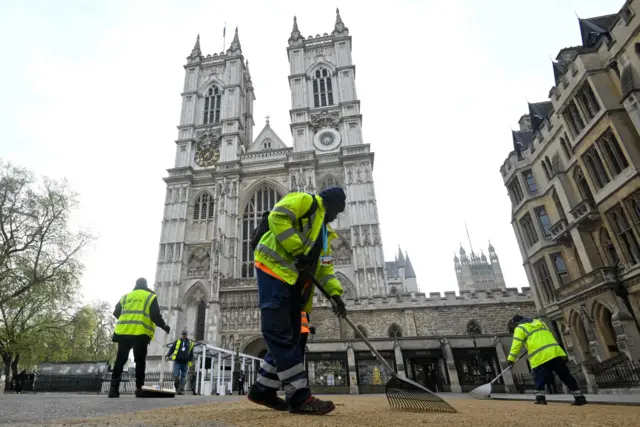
(29, 409)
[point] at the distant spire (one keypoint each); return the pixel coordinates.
(196, 52)
(295, 32)
(339, 26)
(401, 260)
(235, 44)
(409, 273)
(469, 238)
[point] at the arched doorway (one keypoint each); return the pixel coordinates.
(602, 316)
(255, 347)
(580, 338)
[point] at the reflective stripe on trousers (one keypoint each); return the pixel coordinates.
(268, 374)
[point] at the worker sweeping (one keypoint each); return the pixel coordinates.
(182, 355)
(293, 240)
(137, 312)
(545, 356)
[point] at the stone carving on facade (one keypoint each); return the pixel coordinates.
(199, 262)
(324, 120)
(365, 239)
(359, 175)
(349, 176)
(340, 251)
(169, 253)
(375, 230)
(208, 136)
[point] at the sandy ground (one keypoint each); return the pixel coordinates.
(374, 411)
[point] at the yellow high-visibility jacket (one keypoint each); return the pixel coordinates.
(135, 317)
(284, 241)
(539, 341)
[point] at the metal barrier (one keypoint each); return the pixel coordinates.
(624, 375)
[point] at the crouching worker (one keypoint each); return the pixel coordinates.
(291, 243)
(182, 355)
(137, 312)
(545, 357)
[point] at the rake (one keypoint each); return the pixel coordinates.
(402, 393)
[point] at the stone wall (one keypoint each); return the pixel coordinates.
(417, 315)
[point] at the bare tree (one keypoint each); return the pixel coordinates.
(39, 258)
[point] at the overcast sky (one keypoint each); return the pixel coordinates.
(90, 91)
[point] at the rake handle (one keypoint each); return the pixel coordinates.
(392, 371)
(507, 368)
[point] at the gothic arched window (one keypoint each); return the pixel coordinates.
(582, 184)
(609, 249)
(212, 102)
(203, 208)
(322, 88)
(395, 331)
(200, 318)
(473, 328)
(262, 200)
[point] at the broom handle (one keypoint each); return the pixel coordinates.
(163, 362)
(507, 368)
(355, 328)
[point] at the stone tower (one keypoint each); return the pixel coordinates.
(326, 120)
(476, 272)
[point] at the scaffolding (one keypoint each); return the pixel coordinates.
(215, 368)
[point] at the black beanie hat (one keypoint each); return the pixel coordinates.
(335, 197)
(517, 319)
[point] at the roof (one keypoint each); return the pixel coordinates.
(521, 140)
(409, 273)
(539, 112)
(559, 68)
(392, 269)
(592, 29)
(270, 138)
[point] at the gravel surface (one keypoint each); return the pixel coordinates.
(26, 409)
(373, 411)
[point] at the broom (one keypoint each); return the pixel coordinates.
(402, 393)
(484, 391)
(158, 391)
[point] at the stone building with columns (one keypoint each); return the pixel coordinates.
(575, 190)
(224, 178)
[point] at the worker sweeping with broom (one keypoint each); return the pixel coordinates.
(545, 356)
(136, 312)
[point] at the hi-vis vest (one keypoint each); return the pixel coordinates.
(304, 324)
(283, 242)
(177, 349)
(135, 318)
(539, 342)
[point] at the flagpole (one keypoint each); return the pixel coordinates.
(224, 36)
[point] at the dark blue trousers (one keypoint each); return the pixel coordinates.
(545, 372)
(280, 305)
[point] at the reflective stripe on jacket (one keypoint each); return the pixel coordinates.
(135, 317)
(284, 241)
(177, 350)
(304, 324)
(539, 341)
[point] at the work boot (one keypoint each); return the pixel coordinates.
(139, 384)
(176, 383)
(314, 406)
(268, 398)
(579, 401)
(541, 400)
(114, 390)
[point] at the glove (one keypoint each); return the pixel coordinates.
(312, 330)
(338, 306)
(303, 263)
(166, 328)
(510, 363)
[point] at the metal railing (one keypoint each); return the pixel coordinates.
(622, 375)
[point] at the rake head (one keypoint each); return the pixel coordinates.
(408, 395)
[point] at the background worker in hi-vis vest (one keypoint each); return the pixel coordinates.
(182, 355)
(138, 314)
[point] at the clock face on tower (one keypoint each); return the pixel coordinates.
(206, 156)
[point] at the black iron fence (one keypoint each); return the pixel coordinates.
(93, 383)
(623, 375)
(526, 383)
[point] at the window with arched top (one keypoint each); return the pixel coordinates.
(582, 184)
(607, 245)
(363, 331)
(473, 328)
(261, 201)
(267, 145)
(596, 167)
(200, 320)
(395, 331)
(203, 208)
(626, 237)
(212, 104)
(565, 147)
(322, 88)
